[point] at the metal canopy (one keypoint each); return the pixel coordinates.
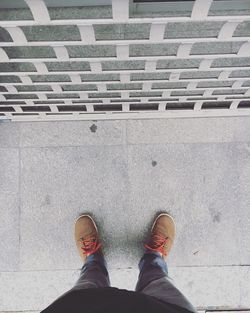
(121, 59)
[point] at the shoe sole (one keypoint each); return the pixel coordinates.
(165, 214)
(86, 215)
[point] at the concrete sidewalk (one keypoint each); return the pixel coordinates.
(123, 173)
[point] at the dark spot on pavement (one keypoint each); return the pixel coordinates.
(196, 252)
(217, 217)
(46, 201)
(154, 163)
(93, 128)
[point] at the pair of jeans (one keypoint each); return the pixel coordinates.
(153, 278)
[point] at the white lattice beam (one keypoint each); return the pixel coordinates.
(227, 30)
(201, 9)
(56, 88)
(101, 87)
(96, 67)
(174, 76)
(150, 66)
(89, 108)
(3, 56)
(124, 78)
(61, 53)
(75, 78)
(234, 104)
(87, 33)
(184, 50)
(125, 41)
(147, 86)
(205, 65)
(26, 80)
(244, 50)
(198, 105)
(11, 89)
(120, 10)
(224, 75)
(125, 95)
(122, 52)
(17, 35)
(41, 67)
(125, 107)
(39, 10)
(157, 31)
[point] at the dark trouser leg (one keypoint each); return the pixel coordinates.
(154, 281)
(94, 273)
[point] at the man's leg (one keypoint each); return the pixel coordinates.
(94, 273)
(154, 281)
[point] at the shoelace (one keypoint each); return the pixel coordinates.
(90, 244)
(158, 244)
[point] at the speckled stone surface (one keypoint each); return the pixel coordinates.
(206, 287)
(9, 209)
(124, 173)
(72, 133)
(9, 135)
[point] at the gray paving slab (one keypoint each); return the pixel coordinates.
(244, 243)
(33, 291)
(190, 181)
(198, 184)
(189, 130)
(244, 202)
(72, 133)
(57, 185)
(9, 170)
(197, 169)
(9, 231)
(206, 287)
(9, 209)
(244, 279)
(9, 134)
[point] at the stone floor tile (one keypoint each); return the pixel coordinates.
(57, 185)
(198, 184)
(9, 134)
(9, 170)
(244, 279)
(188, 130)
(205, 287)
(72, 133)
(209, 287)
(244, 202)
(9, 209)
(9, 231)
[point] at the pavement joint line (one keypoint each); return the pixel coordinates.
(124, 268)
(19, 203)
(128, 144)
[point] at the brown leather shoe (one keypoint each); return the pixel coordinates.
(86, 236)
(162, 235)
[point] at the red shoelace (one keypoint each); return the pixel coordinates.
(90, 244)
(157, 244)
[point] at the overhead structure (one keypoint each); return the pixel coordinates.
(121, 59)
